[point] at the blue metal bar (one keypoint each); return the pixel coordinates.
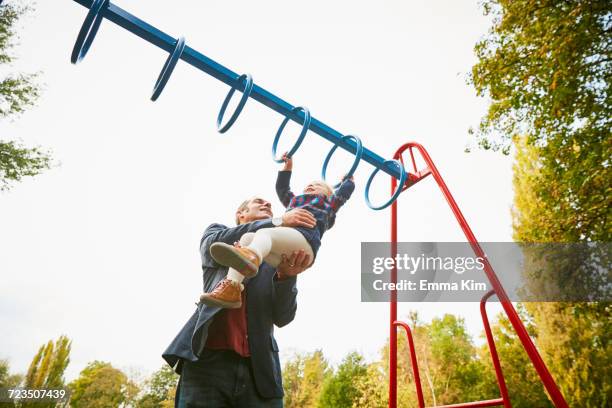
(164, 41)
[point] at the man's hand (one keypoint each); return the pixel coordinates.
(298, 217)
(293, 265)
(288, 162)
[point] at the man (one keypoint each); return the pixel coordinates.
(229, 357)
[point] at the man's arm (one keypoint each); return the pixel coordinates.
(285, 290)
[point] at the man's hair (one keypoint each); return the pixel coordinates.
(241, 208)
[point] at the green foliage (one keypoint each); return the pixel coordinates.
(8, 380)
(524, 385)
(545, 65)
(450, 367)
(17, 93)
(340, 390)
(372, 388)
(574, 338)
(159, 389)
(47, 367)
(303, 377)
(100, 385)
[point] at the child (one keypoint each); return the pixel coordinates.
(269, 244)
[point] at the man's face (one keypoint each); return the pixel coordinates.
(256, 209)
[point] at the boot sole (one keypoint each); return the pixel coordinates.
(226, 255)
(211, 301)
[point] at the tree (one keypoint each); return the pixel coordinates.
(372, 388)
(574, 338)
(303, 378)
(545, 65)
(524, 386)
(100, 385)
(17, 93)
(340, 390)
(159, 388)
(8, 380)
(47, 367)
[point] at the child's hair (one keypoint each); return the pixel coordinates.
(329, 188)
(320, 183)
(241, 208)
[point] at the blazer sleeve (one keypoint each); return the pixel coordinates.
(285, 301)
(282, 187)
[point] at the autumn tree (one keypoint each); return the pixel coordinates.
(574, 337)
(17, 93)
(100, 385)
(8, 380)
(524, 385)
(47, 368)
(159, 389)
(303, 378)
(545, 65)
(340, 390)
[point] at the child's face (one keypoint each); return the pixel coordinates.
(318, 188)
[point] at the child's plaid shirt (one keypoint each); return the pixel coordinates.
(324, 209)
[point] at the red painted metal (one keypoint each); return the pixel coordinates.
(487, 403)
(393, 307)
(504, 400)
(503, 390)
(513, 317)
(413, 359)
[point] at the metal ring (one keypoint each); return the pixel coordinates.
(398, 190)
(88, 31)
(358, 154)
(297, 144)
(168, 68)
(248, 86)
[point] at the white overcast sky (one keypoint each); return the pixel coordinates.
(104, 247)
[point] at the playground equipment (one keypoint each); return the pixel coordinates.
(178, 50)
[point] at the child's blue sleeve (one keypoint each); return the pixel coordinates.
(342, 194)
(282, 187)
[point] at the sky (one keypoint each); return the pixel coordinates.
(104, 246)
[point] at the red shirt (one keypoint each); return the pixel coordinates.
(228, 330)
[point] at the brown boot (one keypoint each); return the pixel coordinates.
(244, 260)
(226, 294)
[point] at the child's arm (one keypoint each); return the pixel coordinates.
(342, 193)
(282, 182)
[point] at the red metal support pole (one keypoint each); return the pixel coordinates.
(528, 345)
(393, 307)
(503, 390)
(413, 359)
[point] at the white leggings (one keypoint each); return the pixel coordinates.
(270, 244)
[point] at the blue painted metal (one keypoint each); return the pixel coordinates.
(168, 68)
(358, 154)
(89, 29)
(164, 41)
(248, 87)
(396, 193)
(305, 125)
